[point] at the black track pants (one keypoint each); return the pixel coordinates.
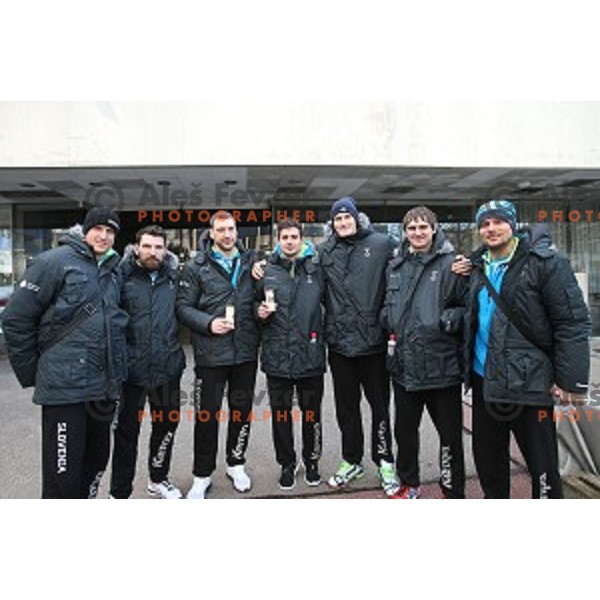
(349, 376)
(492, 425)
(445, 409)
(310, 394)
(75, 448)
(208, 397)
(164, 414)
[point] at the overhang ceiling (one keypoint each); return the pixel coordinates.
(255, 187)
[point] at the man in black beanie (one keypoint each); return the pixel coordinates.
(101, 215)
(65, 335)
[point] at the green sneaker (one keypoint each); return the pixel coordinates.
(388, 477)
(345, 474)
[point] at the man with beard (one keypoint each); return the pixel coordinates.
(65, 335)
(216, 302)
(156, 362)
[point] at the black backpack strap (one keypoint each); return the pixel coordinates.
(86, 310)
(500, 303)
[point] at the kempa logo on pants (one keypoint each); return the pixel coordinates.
(544, 486)
(382, 447)
(238, 451)
(446, 469)
(159, 459)
(61, 447)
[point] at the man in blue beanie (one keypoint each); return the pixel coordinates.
(527, 347)
(354, 259)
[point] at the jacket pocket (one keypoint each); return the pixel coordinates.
(66, 367)
(576, 304)
(442, 357)
(527, 372)
(76, 284)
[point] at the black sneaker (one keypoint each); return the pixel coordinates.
(287, 481)
(311, 474)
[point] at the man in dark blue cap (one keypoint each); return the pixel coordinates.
(354, 259)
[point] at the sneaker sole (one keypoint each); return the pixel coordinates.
(311, 483)
(155, 494)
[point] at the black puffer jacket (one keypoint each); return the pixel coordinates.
(205, 288)
(541, 290)
(292, 338)
(155, 354)
(424, 309)
(354, 270)
(90, 362)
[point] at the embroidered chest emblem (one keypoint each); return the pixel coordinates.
(434, 275)
(367, 252)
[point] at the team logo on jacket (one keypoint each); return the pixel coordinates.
(309, 279)
(367, 252)
(434, 275)
(30, 286)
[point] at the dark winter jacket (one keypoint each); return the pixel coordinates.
(354, 270)
(90, 362)
(424, 309)
(154, 352)
(292, 343)
(541, 290)
(205, 288)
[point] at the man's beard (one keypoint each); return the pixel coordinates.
(150, 264)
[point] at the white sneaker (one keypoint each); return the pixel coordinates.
(241, 481)
(165, 489)
(198, 490)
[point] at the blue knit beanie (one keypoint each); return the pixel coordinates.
(345, 205)
(499, 209)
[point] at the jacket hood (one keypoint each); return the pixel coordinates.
(364, 224)
(74, 238)
(539, 238)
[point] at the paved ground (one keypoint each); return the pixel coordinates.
(20, 453)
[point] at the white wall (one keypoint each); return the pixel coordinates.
(556, 134)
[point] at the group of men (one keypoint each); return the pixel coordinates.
(91, 332)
